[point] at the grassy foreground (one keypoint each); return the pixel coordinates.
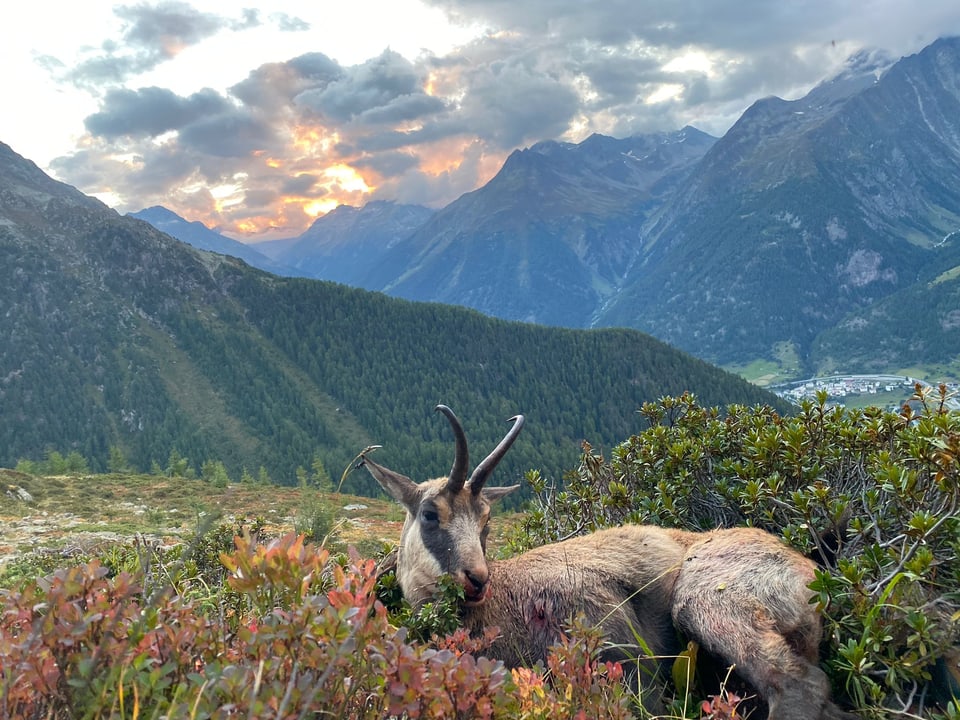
(75, 515)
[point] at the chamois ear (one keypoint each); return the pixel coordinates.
(401, 488)
(495, 493)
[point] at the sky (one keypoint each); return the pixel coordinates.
(256, 118)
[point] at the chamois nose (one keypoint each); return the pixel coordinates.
(475, 583)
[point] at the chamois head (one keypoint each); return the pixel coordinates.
(445, 531)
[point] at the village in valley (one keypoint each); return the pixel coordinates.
(886, 391)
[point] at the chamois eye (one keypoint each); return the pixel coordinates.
(430, 516)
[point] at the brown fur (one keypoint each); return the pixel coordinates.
(741, 593)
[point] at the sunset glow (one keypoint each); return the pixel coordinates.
(346, 178)
(258, 119)
(247, 227)
(668, 91)
(313, 140)
(316, 208)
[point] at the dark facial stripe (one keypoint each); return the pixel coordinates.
(439, 543)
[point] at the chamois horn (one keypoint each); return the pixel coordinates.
(458, 473)
(483, 470)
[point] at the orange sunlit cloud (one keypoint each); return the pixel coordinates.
(448, 155)
(313, 140)
(247, 227)
(316, 208)
(345, 177)
(316, 151)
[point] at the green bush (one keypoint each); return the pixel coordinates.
(873, 495)
(316, 517)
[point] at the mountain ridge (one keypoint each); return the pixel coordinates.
(125, 341)
(805, 218)
(805, 212)
(200, 236)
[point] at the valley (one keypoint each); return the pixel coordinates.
(818, 235)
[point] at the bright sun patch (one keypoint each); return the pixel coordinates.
(346, 178)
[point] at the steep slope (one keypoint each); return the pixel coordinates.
(119, 336)
(918, 324)
(549, 237)
(342, 244)
(108, 320)
(806, 211)
(201, 237)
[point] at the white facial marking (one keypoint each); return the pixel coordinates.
(417, 568)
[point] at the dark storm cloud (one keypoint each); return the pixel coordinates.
(401, 108)
(389, 140)
(303, 185)
(260, 198)
(675, 23)
(386, 87)
(152, 111)
(154, 173)
(277, 84)
(88, 168)
(510, 103)
(388, 164)
(151, 35)
(616, 74)
(233, 134)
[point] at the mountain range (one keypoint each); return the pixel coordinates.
(804, 232)
(132, 348)
(200, 236)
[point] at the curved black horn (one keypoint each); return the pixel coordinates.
(483, 470)
(458, 473)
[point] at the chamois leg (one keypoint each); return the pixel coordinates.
(744, 636)
(744, 596)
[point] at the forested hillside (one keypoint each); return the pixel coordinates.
(128, 347)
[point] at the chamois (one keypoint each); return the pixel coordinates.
(740, 593)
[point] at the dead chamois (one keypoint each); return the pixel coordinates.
(740, 593)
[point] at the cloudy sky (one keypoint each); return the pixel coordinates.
(256, 119)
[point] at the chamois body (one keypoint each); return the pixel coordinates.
(532, 595)
(741, 593)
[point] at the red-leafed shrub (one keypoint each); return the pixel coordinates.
(314, 641)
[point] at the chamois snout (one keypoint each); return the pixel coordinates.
(467, 563)
(475, 583)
